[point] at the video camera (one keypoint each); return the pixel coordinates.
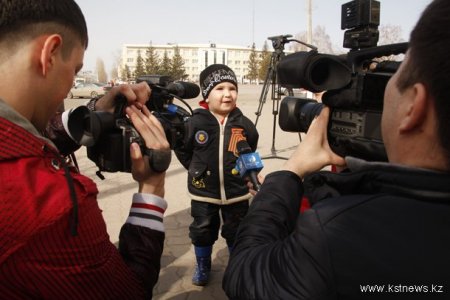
(354, 85)
(108, 136)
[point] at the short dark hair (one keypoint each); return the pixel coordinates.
(429, 64)
(29, 18)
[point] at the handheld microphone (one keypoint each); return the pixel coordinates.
(248, 163)
(186, 90)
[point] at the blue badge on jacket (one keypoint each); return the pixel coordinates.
(201, 137)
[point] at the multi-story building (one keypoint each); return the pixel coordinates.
(196, 57)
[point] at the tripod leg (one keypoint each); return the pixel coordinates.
(269, 78)
(275, 113)
(262, 100)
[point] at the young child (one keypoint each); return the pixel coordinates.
(209, 154)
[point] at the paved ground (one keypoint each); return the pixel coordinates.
(178, 257)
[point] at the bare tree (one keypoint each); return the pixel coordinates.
(390, 34)
(320, 39)
(114, 73)
(101, 73)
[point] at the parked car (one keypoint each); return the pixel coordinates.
(294, 92)
(87, 90)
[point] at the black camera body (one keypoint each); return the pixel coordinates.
(111, 151)
(108, 136)
(354, 88)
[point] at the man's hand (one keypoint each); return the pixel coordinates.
(154, 136)
(314, 152)
(136, 94)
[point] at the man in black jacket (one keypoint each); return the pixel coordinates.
(379, 229)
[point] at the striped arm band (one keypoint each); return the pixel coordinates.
(147, 210)
(65, 121)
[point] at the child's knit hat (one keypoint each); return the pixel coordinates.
(213, 75)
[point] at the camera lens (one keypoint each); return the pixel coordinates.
(296, 114)
(308, 111)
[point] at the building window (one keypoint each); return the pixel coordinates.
(130, 60)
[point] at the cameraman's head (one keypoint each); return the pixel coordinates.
(42, 47)
(416, 103)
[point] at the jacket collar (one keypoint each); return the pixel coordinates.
(8, 113)
(364, 177)
(236, 112)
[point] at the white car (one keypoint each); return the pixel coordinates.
(87, 90)
(294, 92)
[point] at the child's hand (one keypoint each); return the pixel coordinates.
(251, 187)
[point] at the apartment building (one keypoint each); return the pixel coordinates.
(196, 57)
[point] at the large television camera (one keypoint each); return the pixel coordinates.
(108, 136)
(354, 85)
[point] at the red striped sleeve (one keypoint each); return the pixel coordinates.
(147, 210)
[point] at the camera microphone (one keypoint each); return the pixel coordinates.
(186, 90)
(248, 163)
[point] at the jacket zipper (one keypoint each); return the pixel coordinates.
(221, 153)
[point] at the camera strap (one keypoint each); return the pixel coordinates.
(159, 160)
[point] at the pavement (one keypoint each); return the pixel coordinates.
(178, 260)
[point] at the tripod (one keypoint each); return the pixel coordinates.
(278, 43)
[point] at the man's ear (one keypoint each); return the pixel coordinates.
(51, 47)
(416, 108)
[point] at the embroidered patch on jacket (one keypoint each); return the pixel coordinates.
(201, 137)
(198, 183)
(237, 134)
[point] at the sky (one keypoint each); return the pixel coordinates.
(112, 23)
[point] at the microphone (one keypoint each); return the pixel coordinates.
(182, 89)
(248, 163)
